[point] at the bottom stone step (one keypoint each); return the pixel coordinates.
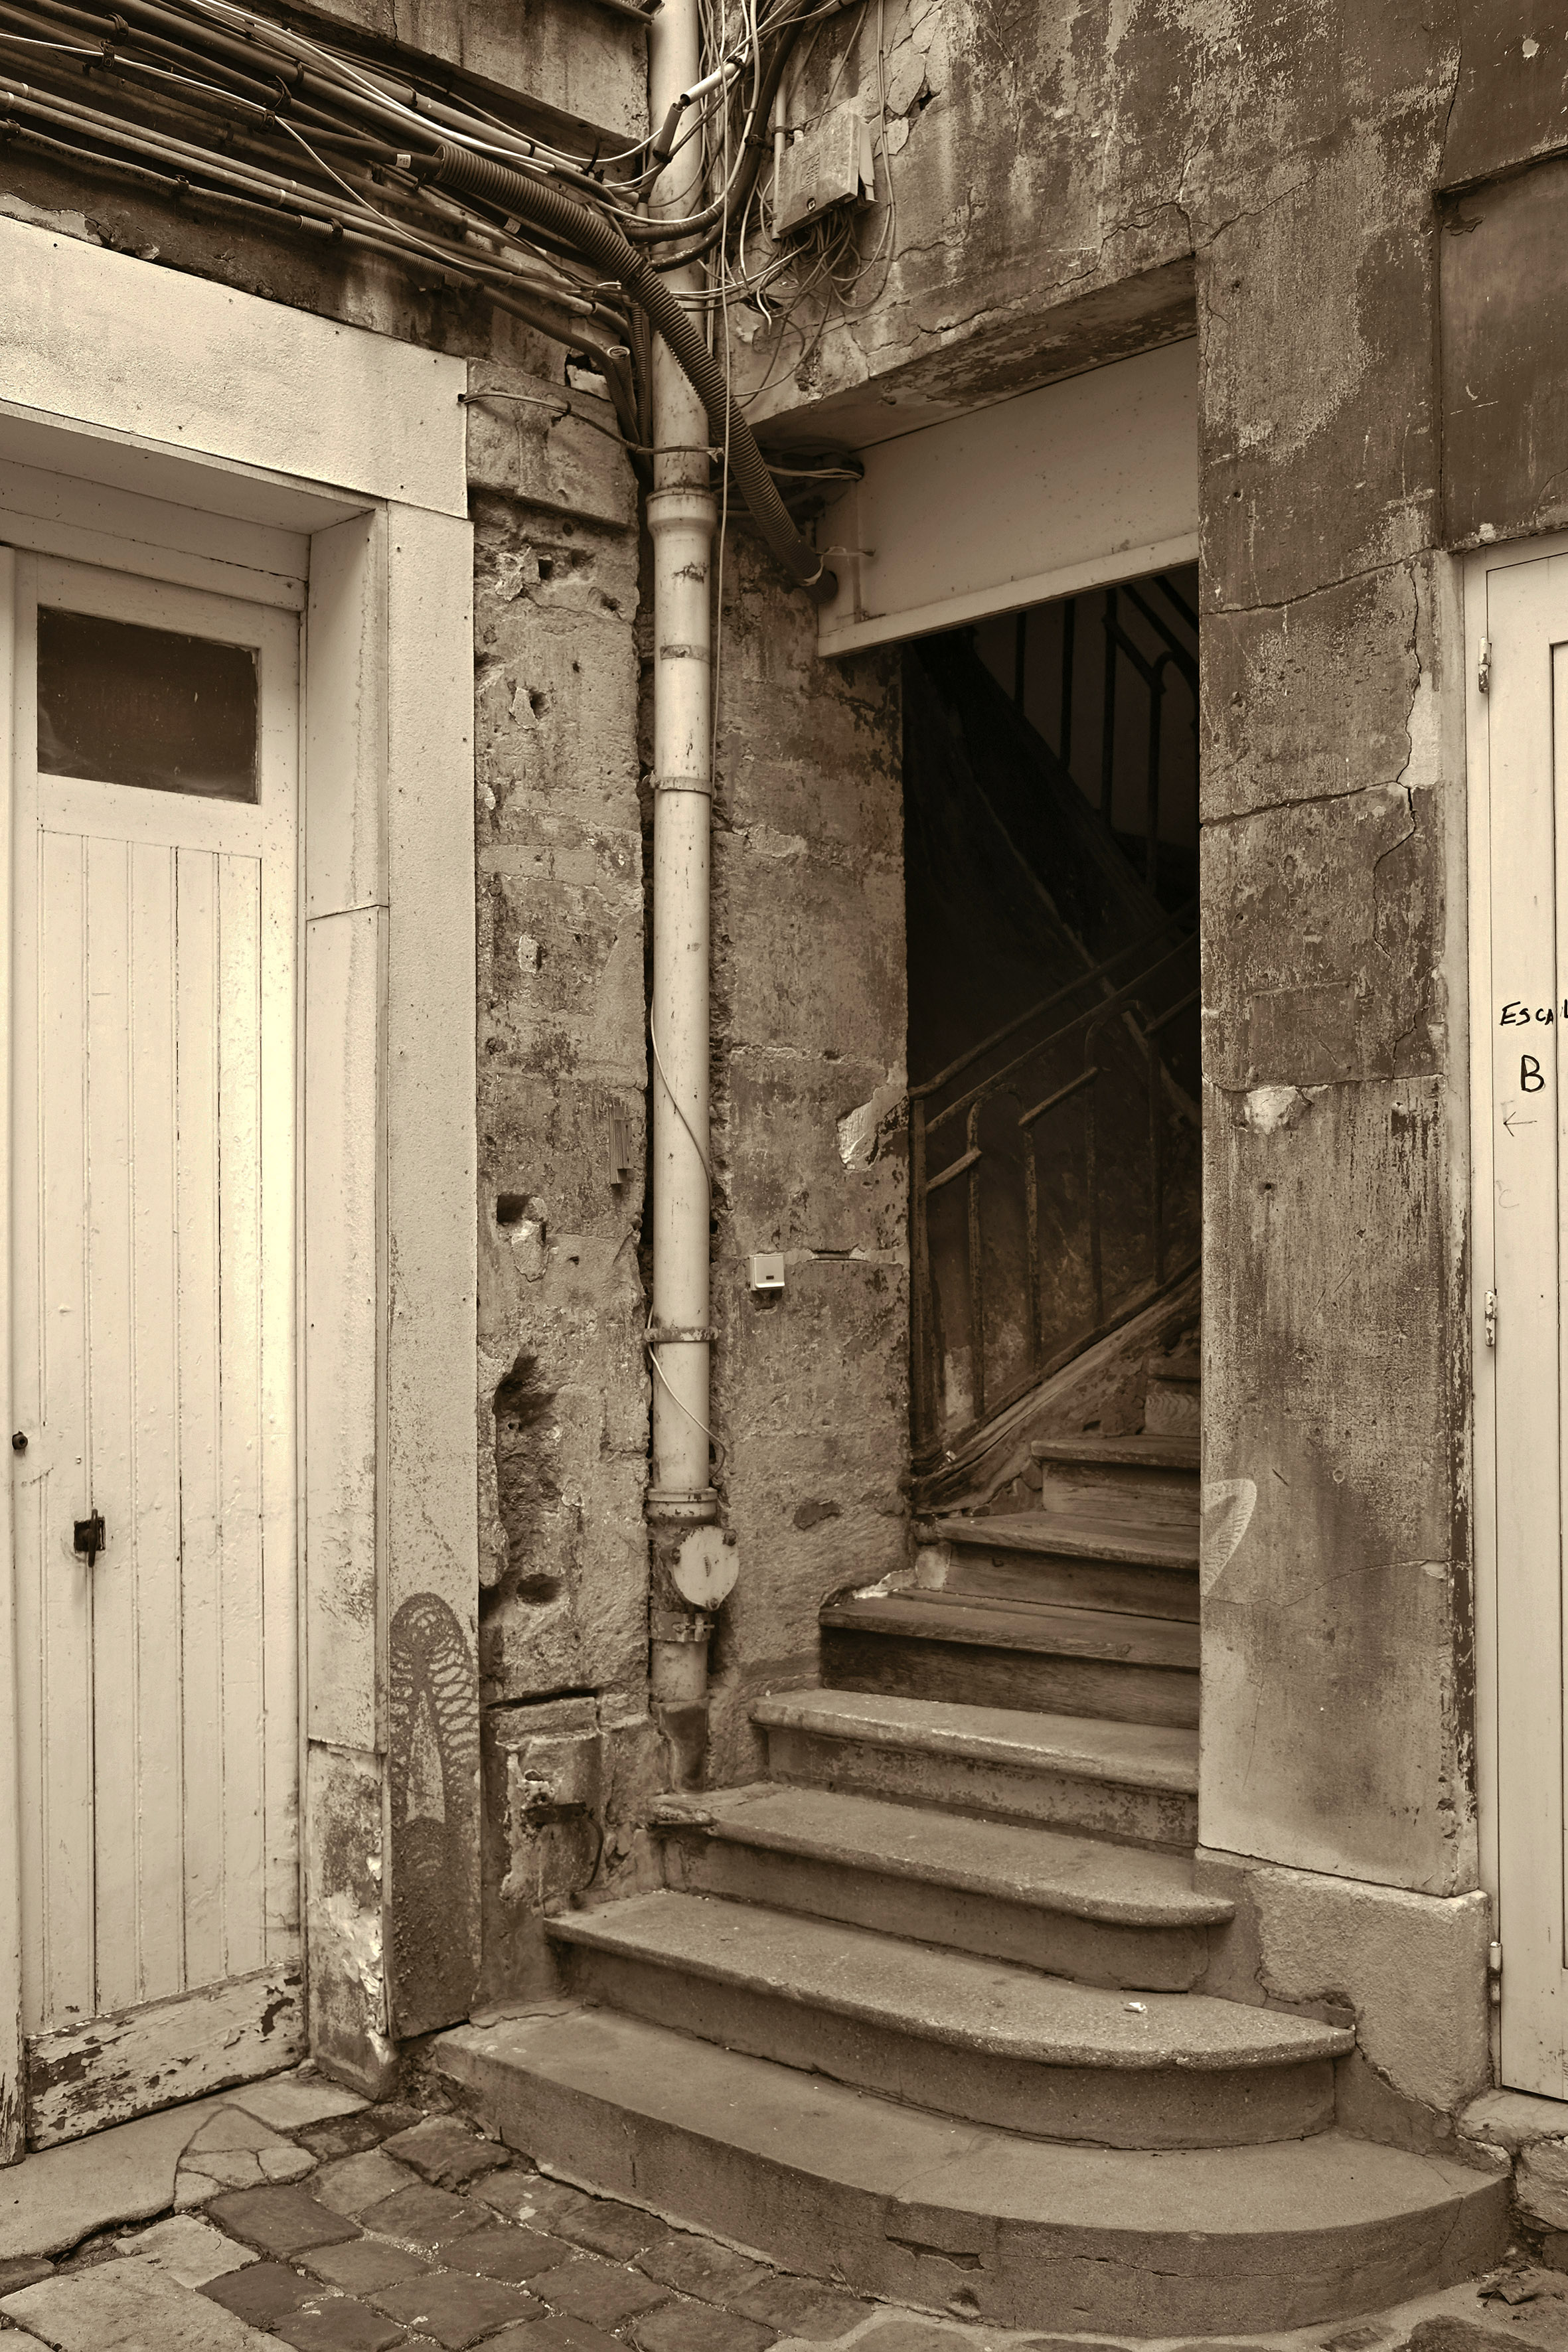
(900, 2203)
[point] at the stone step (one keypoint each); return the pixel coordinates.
(1105, 1915)
(1136, 1784)
(895, 2203)
(1171, 1454)
(961, 2036)
(1153, 1480)
(1095, 1535)
(972, 1650)
(1080, 1559)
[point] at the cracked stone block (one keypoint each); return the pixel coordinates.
(355, 2181)
(445, 2152)
(586, 2288)
(234, 2169)
(285, 2163)
(193, 2189)
(457, 2309)
(699, 2267)
(1541, 2183)
(126, 2307)
(504, 2253)
(683, 2327)
(280, 2221)
(349, 2134)
(363, 2265)
(188, 2249)
(341, 2325)
(423, 2217)
(621, 2232)
(232, 2132)
(799, 2306)
(288, 2101)
(263, 2296)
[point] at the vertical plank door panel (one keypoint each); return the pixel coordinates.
(243, 1700)
(111, 1376)
(196, 1183)
(63, 1611)
(155, 1530)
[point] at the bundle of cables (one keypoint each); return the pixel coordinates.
(209, 100)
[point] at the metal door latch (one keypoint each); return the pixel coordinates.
(90, 1538)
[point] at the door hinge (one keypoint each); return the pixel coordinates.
(1484, 667)
(1494, 1971)
(1492, 1318)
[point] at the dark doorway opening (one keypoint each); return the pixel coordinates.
(1051, 863)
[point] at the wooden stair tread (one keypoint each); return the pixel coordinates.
(1043, 1869)
(936, 1994)
(1170, 1452)
(1047, 1629)
(1078, 1535)
(1135, 1755)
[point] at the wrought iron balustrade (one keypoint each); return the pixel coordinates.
(1126, 1063)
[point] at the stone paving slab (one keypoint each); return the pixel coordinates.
(263, 2297)
(280, 2221)
(350, 2183)
(286, 2101)
(457, 2309)
(128, 2306)
(59, 2196)
(341, 2326)
(360, 2265)
(189, 2249)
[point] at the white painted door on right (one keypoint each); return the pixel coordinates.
(1517, 632)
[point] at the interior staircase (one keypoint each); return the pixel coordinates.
(924, 2010)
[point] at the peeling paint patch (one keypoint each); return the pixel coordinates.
(859, 1131)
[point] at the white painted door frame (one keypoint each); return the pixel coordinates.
(157, 424)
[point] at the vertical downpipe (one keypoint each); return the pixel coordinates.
(680, 516)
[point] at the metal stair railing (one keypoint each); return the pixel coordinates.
(1069, 1062)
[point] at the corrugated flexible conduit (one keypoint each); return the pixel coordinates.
(600, 241)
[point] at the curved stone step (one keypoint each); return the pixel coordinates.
(903, 2204)
(1136, 1782)
(1074, 1907)
(983, 2039)
(970, 1648)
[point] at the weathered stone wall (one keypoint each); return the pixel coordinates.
(562, 1073)
(1070, 184)
(809, 1391)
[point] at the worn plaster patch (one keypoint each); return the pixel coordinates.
(859, 1131)
(1266, 1109)
(1228, 1506)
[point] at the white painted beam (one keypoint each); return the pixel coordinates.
(1064, 489)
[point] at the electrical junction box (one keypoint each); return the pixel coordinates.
(765, 1273)
(826, 163)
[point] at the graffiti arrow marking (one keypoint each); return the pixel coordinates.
(1511, 1118)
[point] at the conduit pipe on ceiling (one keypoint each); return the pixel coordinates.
(682, 514)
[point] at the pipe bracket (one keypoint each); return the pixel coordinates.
(687, 1335)
(697, 785)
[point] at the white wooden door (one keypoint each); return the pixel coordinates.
(152, 1369)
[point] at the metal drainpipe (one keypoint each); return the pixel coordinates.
(681, 512)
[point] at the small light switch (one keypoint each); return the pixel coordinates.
(765, 1273)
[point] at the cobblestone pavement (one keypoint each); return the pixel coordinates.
(305, 2218)
(360, 2228)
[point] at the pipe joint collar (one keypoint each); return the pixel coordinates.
(681, 510)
